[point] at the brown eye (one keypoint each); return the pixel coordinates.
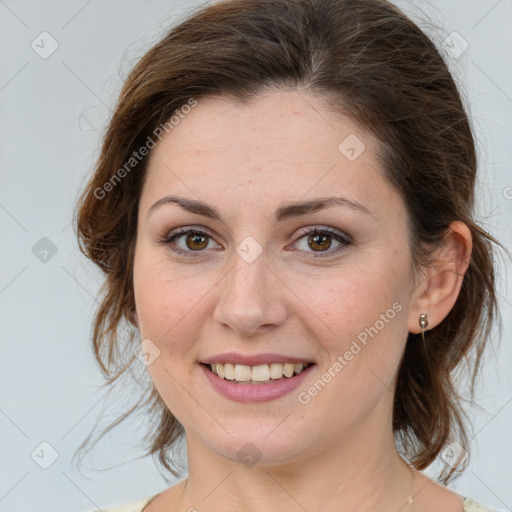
(316, 243)
(319, 242)
(189, 242)
(196, 241)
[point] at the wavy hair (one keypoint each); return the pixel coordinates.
(368, 60)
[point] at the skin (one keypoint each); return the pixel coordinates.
(337, 452)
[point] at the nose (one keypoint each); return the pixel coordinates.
(251, 297)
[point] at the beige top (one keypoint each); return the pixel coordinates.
(470, 505)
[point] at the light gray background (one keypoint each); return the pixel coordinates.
(51, 114)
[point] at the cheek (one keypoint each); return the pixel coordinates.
(168, 304)
(166, 299)
(362, 312)
(349, 300)
(365, 336)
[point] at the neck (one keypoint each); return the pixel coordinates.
(362, 473)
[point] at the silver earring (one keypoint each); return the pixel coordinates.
(423, 324)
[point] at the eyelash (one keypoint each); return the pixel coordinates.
(344, 240)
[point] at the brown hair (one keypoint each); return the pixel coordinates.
(368, 60)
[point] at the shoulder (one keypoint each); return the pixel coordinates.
(132, 506)
(470, 505)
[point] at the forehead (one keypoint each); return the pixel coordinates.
(288, 118)
(280, 145)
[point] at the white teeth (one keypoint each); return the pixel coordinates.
(276, 371)
(242, 373)
(229, 371)
(288, 370)
(259, 373)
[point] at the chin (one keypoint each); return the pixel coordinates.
(260, 444)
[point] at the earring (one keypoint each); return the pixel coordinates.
(423, 324)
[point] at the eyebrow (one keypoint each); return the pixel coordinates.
(284, 212)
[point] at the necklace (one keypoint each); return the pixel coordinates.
(410, 499)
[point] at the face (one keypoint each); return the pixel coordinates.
(254, 272)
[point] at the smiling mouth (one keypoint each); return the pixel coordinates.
(260, 374)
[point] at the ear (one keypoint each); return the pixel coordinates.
(438, 290)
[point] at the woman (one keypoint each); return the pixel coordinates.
(283, 212)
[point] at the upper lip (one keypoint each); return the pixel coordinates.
(254, 360)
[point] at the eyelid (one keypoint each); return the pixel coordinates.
(342, 238)
(170, 236)
(323, 229)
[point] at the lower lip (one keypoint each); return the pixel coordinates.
(255, 392)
